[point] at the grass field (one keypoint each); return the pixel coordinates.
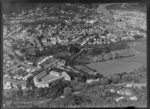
(127, 64)
(129, 6)
(115, 66)
(141, 46)
(137, 59)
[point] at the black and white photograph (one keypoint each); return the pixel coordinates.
(76, 55)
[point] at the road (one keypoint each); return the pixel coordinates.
(123, 5)
(106, 12)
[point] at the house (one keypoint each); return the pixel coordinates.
(91, 21)
(43, 79)
(66, 76)
(7, 85)
(55, 73)
(11, 83)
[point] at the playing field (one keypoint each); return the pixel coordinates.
(137, 59)
(127, 64)
(115, 66)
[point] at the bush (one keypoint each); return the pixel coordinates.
(71, 100)
(76, 100)
(115, 79)
(83, 79)
(67, 91)
(77, 86)
(117, 55)
(127, 78)
(122, 74)
(105, 81)
(57, 89)
(39, 92)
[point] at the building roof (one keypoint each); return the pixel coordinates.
(21, 82)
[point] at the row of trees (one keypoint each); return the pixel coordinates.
(101, 53)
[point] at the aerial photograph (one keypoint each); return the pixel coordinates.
(74, 55)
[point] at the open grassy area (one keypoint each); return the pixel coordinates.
(127, 64)
(141, 45)
(136, 59)
(129, 6)
(137, 6)
(114, 66)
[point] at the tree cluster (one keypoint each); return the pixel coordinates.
(54, 91)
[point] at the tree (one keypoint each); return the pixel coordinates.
(115, 79)
(19, 93)
(57, 89)
(127, 78)
(121, 75)
(30, 94)
(13, 95)
(39, 92)
(137, 37)
(67, 91)
(72, 100)
(116, 55)
(77, 86)
(30, 83)
(104, 81)
(46, 91)
(83, 78)
(99, 75)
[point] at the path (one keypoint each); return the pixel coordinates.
(107, 14)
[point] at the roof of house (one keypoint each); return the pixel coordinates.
(21, 82)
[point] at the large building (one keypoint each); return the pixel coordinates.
(44, 78)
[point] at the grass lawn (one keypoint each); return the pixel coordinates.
(137, 59)
(115, 66)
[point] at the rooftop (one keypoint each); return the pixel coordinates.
(49, 77)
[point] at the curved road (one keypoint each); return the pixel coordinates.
(107, 14)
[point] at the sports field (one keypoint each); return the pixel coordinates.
(115, 66)
(137, 59)
(127, 64)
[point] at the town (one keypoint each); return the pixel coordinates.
(71, 42)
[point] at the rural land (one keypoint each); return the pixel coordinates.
(74, 55)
